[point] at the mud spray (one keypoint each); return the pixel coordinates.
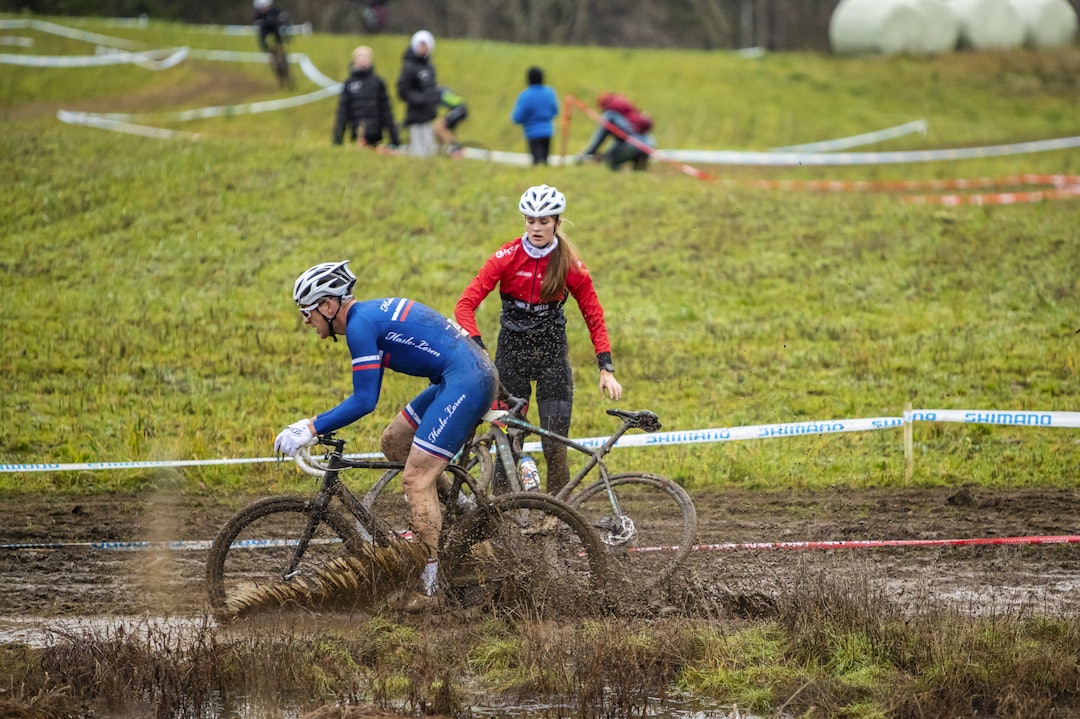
(356, 582)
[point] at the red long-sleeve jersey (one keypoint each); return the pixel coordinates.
(519, 278)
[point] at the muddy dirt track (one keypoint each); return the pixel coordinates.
(78, 580)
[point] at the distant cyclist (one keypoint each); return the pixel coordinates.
(272, 22)
(408, 337)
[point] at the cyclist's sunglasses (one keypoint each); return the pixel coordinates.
(306, 311)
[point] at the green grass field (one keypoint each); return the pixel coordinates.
(148, 315)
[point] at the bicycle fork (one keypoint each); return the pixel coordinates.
(322, 501)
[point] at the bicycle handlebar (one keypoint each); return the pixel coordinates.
(306, 462)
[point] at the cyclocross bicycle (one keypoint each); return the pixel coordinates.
(279, 63)
(520, 551)
(646, 522)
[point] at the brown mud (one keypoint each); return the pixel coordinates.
(77, 580)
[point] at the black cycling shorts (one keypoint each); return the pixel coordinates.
(542, 357)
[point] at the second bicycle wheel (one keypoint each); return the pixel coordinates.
(527, 554)
(248, 561)
(655, 533)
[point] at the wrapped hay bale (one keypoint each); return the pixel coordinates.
(987, 24)
(941, 31)
(874, 26)
(1047, 23)
(892, 26)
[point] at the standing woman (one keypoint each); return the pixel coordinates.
(536, 273)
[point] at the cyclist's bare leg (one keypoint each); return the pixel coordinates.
(397, 439)
(396, 445)
(418, 478)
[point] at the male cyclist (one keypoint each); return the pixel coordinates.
(411, 338)
(271, 22)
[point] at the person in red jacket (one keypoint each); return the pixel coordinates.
(629, 129)
(536, 273)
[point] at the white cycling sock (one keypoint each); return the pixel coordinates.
(465, 501)
(431, 572)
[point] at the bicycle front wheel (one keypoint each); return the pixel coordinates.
(652, 533)
(528, 554)
(247, 568)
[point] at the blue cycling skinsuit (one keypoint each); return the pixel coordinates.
(413, 339)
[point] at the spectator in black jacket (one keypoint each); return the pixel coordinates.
(419, 90)
(364, 104)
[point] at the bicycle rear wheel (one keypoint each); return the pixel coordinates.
(527, 554)
(247, 562)
(655, 533)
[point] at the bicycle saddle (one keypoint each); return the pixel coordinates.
(644, 420)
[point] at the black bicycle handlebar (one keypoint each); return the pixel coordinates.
(328, 439)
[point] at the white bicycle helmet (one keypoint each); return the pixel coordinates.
(327, 279)
(542, 201)
(262, 4)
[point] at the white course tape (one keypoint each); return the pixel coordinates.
(174, 58)
(690, 436)
(524, 158)
(732, 434)
(1069, 420)
(90, 119)
(150, 59)
(227, 110)
(301, 29)
(68, 32)
(866, 138)
(785, 159)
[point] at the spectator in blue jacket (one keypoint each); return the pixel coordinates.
(535, 109)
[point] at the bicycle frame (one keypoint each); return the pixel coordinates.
(330, 487)
(506, 455)
(333, 486)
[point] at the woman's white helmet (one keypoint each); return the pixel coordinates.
(542, 201)
(327, 279)
(262, 4)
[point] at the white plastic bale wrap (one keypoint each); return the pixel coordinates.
(874, 26)
(893, 26)
(988, 24)
(1047, 23)
(941, 30)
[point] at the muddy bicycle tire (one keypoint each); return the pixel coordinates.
(665, 525)
(251, 552)
(528, 554)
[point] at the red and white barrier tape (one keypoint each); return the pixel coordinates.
(871, 543)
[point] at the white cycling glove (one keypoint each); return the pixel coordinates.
(293, 437)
